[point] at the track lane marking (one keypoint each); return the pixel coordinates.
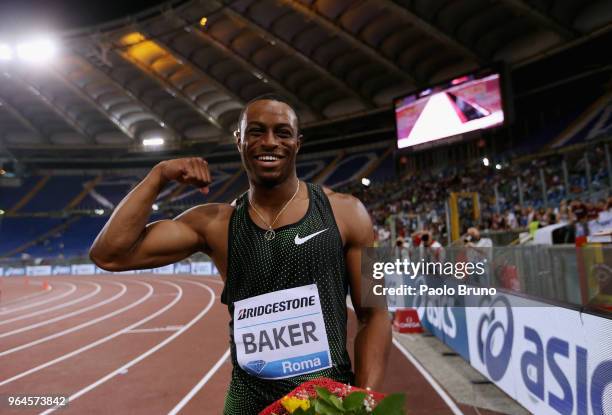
(154, 329)
(25, 297)
(71, 314)
(200, 384)
(146, 354)
(62, 305)
(434, 384)
(59, 297)
(80, 326)
(179, 406)
(97, 342)
(212, 279)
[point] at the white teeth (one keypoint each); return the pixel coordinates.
(267, 158)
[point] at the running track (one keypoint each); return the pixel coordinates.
(142, 344)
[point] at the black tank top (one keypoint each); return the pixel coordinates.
(257, 266)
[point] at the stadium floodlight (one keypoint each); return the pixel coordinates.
(153, 141)
(99, 212)
(485, 161)
(6, 52)
(365, 181)
(38, 50)
(1, 212)
(498, 166)
(155, 206)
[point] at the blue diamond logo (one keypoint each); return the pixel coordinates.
(256, 366)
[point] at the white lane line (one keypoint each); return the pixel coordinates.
(7, 310)
(434, 384)
(80, 326)
(97, 342)
(209, 278)
(62, 305)
(71, 314)
(214, 280)
(155, 329)
(25, 297)
(67, 293)
(200, 384)
(179, 406)
(146, 354)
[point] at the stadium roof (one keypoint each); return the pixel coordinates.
(183, 70)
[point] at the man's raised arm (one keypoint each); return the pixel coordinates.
(127, 242)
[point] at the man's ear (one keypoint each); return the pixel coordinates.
(299, 142)
(237, 138)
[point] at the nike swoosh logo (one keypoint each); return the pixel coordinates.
(300, 241)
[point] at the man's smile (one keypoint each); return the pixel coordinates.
(268, 160)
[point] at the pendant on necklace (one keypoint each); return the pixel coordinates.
(270, 234)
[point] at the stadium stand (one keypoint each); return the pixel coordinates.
(349, 168)
(56, 194)
(26, 232)
(11, 195)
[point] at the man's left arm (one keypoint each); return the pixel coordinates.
(374, 331)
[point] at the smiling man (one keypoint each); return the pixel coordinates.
(288, 252)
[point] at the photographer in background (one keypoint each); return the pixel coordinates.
(473, 239)
(478, 249)
(424, 246)
(401, 250)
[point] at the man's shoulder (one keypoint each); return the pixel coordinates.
(344, 200)
(352, 216)
(212, 208)
(207, 213)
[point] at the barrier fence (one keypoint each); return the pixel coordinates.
(544, 337)
(565, 274)
(196, 265)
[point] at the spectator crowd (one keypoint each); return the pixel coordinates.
(512, 196)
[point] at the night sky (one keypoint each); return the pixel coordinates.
(59, 15)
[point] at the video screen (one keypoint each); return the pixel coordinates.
(468, 103)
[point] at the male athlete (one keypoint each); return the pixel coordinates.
(288, 251)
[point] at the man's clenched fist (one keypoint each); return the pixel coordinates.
(190, 170)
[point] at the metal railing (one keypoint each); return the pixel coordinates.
(569, 275)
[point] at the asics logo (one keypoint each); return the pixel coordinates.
(491, 330)
(300, 241)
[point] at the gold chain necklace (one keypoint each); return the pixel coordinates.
(270, 233)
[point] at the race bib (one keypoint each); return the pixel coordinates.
(281, 334)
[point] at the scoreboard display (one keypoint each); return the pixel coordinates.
(464, 104)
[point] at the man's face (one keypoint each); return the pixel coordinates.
(269, 142)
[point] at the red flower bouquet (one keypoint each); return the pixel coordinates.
(324, 396)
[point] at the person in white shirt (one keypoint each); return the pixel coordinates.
(479, 250)
(472, 239)
(511, 220)
(383, 235)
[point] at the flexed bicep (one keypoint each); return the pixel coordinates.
(161, 243)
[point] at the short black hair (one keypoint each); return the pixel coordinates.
(269, 97)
